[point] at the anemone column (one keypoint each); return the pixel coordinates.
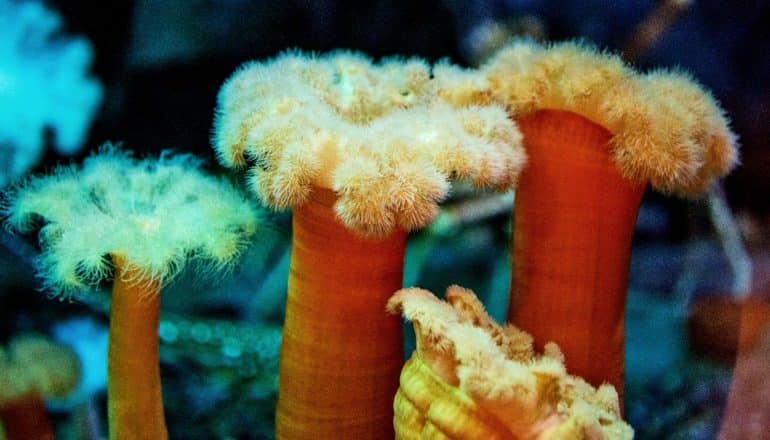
(133, 366)
(573, 223)
(336, 331)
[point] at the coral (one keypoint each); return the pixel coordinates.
(650, 30)
(471, 378)
(383, 136)
(487, 37)
(222, 373)
(248, 350)
(44, 83)
(243, 349)
(116, 204)
(667, 130)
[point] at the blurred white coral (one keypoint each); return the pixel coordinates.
(44, 83)
(33, 364)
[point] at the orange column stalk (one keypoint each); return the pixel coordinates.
(341, 353)
(135, 402)
(26, 419)
(574, 219)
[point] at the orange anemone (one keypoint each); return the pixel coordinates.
(596, 133)
(363, 153)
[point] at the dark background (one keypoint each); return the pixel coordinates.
(163, 61)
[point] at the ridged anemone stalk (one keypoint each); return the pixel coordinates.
(133, 367)
(335, 330)
(573, 222)
(596, 134)
(363, 153)
(33, 369)
(137, 222)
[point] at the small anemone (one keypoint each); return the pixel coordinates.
(155, 214)
(35, 365)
